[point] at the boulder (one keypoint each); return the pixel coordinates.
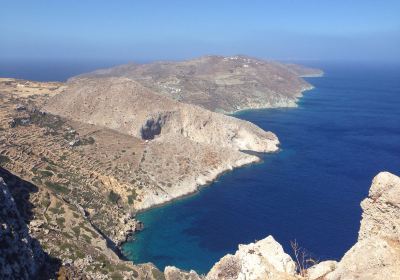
(264, 259)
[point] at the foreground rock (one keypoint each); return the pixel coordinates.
(264, 259)
(44, 237)
(20, 255)
(221, 84)
(376, 255)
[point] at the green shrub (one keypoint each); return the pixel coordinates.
(77, 231)
(113, 197)
(4, 159)
(46, 173)
(60, 221)
(56, 187)
(132, 197)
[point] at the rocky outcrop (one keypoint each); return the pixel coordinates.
(173, 273)
(376, 255)
(319, 270)
(220, 84)
(381, 208)
(264, 259)
(20, 255)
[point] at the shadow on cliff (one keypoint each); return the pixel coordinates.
(21, 191)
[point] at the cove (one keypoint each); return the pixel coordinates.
(343, 133)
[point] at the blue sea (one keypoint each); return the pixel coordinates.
(344, 132)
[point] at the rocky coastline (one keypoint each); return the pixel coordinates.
(99, 149)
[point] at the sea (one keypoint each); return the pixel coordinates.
(344, 132)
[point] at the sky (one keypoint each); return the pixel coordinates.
(171, 30)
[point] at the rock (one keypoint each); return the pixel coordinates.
(173, 273)
(320, 269)
(12, 123)
(25, 121)
(376, 255)
(20, 255)
(370, 259)
(20, 107)
(139, 226)
(74, 142)
(381, 214)
(264, 259)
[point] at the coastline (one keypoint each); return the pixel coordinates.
(200, 186)
(197, 187)
(290, 103)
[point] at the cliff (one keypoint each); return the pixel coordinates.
(221, 84)
(20, 255)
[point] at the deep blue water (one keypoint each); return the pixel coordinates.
(342, 134)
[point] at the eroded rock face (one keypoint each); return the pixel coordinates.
(376, 255)
(370, 259)
(20, 256)
(264, 259)
(381, 209)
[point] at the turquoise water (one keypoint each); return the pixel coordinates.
(342, 134)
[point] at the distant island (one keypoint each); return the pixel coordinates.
(220, 84)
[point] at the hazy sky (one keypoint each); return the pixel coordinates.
(147, 30)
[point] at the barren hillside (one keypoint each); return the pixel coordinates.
(128, 107)
(217, 83)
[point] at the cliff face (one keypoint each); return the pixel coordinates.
(375, 256)
(222, 84)
(20, 255)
